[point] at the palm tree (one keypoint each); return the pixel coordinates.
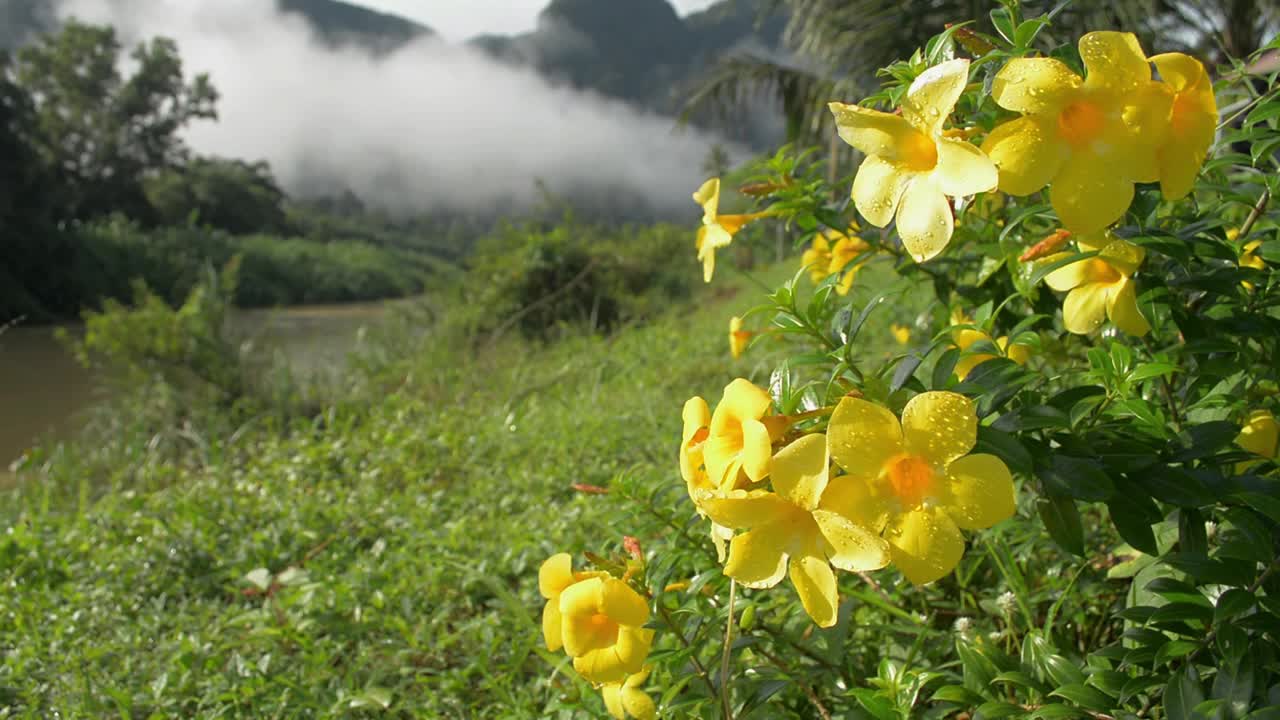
(837, 45)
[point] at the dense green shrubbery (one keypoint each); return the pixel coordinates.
(540, 278)
(102, 260)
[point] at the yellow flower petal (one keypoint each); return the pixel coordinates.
(708, 196)
(1089, 195)
(620, 602)
(757, 450)
(963, 169)
(862, 436)
(925, 221)
(925, 544)
(966, 364)
(612, 694)
(1069, 276)
(551, 626)
(800, 471)
(756, 557)
(613, 664)
(710, 237)
(1260, 434)
(638, 704)
(1146, 117)
(873, 132)
(933, 95)
(745, 508)
(859, 501)
(742, 400)
(816, 585)
(1027, 152)
(939, 426)
(1085, 308)
(877, 189)
(978, 492)
(1035, 85)
(1123, 256)
(555, 575)
(1114, 62)
(1192, 122)
(1122, 308)
(854, 547)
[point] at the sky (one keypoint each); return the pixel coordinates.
(463, 19)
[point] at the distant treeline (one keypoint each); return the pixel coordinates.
(97, 187)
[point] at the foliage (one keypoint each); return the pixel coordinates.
(99, 131)
(101, 260)
(1147, 450)
(539, 279)
(230, 195)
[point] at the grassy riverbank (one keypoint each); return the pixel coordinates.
(360, 557)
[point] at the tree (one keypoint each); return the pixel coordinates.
(99, 132)
(232, 195)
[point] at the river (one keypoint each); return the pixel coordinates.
(44, 391)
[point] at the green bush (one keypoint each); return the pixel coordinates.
(542, 279)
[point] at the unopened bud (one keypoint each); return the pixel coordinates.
(1048, 246)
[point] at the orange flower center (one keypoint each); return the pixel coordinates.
(601, 631)
(911, 478)
(1101, 271)
(1081, 122)
(1185, 108)
(919, 153)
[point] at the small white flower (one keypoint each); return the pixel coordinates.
(1006, 602)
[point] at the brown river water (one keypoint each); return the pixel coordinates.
(44, 391)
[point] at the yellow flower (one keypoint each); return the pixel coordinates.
(1260, 435)
(914, 481)
(740, 438)
(912, 167)
(1249, 258)
(1101, 287)
(825, 258)
(738, 338)
(717, 230)
(1089, 139)
(1192, 122)
(697, 420)
(554, 576)
(602, 625)
(901, 333)
(964, 338)
(625, 699)
(796, 526)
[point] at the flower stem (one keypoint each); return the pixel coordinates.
(724, 658)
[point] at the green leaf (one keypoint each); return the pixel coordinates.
(1132, 516)
(1234, 685)
(1232, 603)
(995, 710)
(1182, 694)
(1080, 478)
(1055, 712)
(1004, 446)
(1085, 696)
(1062, 671)
(1176, 591)
(957, 694)
(978, 669)
(1062, 520)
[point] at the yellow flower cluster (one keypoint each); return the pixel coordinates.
(831, 253)
(905, 489)
(965, 338)
(598, 620)
(717, 230)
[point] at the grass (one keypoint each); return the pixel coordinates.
(379, 557)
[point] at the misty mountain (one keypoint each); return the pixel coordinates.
(641, 51)
(336, 23)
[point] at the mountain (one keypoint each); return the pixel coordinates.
(340, 23)
(635, 50)
(337, 23)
